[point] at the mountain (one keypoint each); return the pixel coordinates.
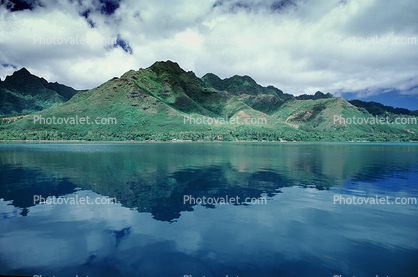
(23, 92)
(394, 98)
(379, 109)
(317, 95)
(165, 102)
(265, 99)
(154, 99)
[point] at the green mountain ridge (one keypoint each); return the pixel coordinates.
(265, 99)
(23, 92)
(375, 108)
(165, 102)
(317, 95)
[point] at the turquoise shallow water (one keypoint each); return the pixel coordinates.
(297, 228)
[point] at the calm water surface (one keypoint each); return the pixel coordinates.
(301, 230)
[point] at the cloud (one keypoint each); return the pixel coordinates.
(298, 46)
(411, 91)
(20, 5)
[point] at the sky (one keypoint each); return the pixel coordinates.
(357, 49)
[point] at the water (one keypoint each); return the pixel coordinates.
(301, 229)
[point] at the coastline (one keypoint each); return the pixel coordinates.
(201, 141)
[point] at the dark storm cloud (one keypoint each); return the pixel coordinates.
(104, 7)
(122, 44)
(20, 5)
(9, 65)
(283, 4)
(255, 6)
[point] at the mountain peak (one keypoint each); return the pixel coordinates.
(29, 93)
(164, 66)
(23, 72)
(17, 76)
(166, 63)
(318, 95)
(212, 76)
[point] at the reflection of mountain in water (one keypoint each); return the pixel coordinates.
(154, 178)
(166, 202)
(20, 185)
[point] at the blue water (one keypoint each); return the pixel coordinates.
(299, 231)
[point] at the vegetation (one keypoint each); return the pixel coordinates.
(241, 134)
(375, 108)
(159, 103)
(317, 95)
(25, 93)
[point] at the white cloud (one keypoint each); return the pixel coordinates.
(294, 48)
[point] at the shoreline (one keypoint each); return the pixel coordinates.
(199, 141)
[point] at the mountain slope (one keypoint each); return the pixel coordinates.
(156, 99)
(264, 99)
(375, 108)
(165, 102)
(23, 92)
(338, 115)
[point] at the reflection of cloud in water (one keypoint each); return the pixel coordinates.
(277, 238)
(74, 238)
(291, 235)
